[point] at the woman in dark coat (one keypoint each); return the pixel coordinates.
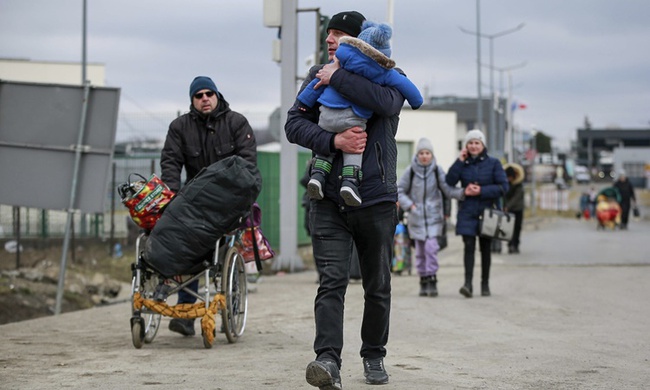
(485, 182)
(628, 199)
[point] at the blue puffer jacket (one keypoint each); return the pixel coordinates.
(361, 58)
(487, 172)
(379, 182)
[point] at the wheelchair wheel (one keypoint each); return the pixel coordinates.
(144, 323)
(235, 290)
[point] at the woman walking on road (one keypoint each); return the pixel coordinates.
(484, 181)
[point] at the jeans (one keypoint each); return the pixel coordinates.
(184, 297)
(333, 232)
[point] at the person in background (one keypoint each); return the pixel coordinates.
(336, 227)
(484, 181)
(626, 190)
(593, 194)
(421, 192)
(514, 203)
(209, 132)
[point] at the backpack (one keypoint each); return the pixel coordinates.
(446, 202)
(446, 208)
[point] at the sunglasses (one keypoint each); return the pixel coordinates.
(200, 94)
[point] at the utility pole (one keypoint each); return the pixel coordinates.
(283, 15)
(83, 44)
(492, 135)
(533, 191)
(289, 156)
(508, 143)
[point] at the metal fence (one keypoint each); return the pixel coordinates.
(143, 129)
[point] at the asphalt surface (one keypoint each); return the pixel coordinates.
(572, 311)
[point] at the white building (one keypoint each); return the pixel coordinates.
(68, 73)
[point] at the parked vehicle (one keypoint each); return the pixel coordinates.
(581, 174)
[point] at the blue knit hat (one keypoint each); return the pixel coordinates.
(202, 82)
(377, 35)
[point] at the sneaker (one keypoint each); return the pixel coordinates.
(374, 371)
(182, 326)
(324, 374)
(350, 193)
(315, 186)
(485, 290)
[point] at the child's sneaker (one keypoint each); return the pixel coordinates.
(315, 186)
(350, 193)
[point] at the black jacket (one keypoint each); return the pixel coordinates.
(379, 182)
(195, 141)
(626, 190)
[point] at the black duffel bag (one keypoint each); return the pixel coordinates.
(215, 202)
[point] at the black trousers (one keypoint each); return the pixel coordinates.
(516, 234)
(468, 257)
(372, 230)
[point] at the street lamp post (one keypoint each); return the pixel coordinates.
(533, 179)
(510, 144)
(491, 37)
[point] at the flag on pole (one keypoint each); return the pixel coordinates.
(517, 106)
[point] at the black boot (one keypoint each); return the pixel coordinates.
(485, 289)
(466, 290)
(432, 289)
(182, 325)
(424, 285)
(351, 176)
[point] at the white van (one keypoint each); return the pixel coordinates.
(581, 174)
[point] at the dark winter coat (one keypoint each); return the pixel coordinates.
(514, 199)
(379, 183)
(626, 190)
(485, 171)
(421, 189)
(195, 141)
(213, 204)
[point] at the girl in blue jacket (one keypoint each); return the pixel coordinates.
(485, 182)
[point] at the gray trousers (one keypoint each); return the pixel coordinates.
(337, 120)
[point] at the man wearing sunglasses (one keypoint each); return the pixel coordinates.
(210, 132)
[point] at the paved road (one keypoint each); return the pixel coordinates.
(570, 312)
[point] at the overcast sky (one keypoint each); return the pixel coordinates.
(582, 57)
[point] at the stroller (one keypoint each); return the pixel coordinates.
(608, 208)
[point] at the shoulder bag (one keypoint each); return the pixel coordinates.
(497, 224)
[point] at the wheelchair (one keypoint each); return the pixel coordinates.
(223, 291)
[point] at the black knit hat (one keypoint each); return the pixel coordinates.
(347, 21)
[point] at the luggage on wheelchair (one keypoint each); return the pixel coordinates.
(215, 202)
(145, 199)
